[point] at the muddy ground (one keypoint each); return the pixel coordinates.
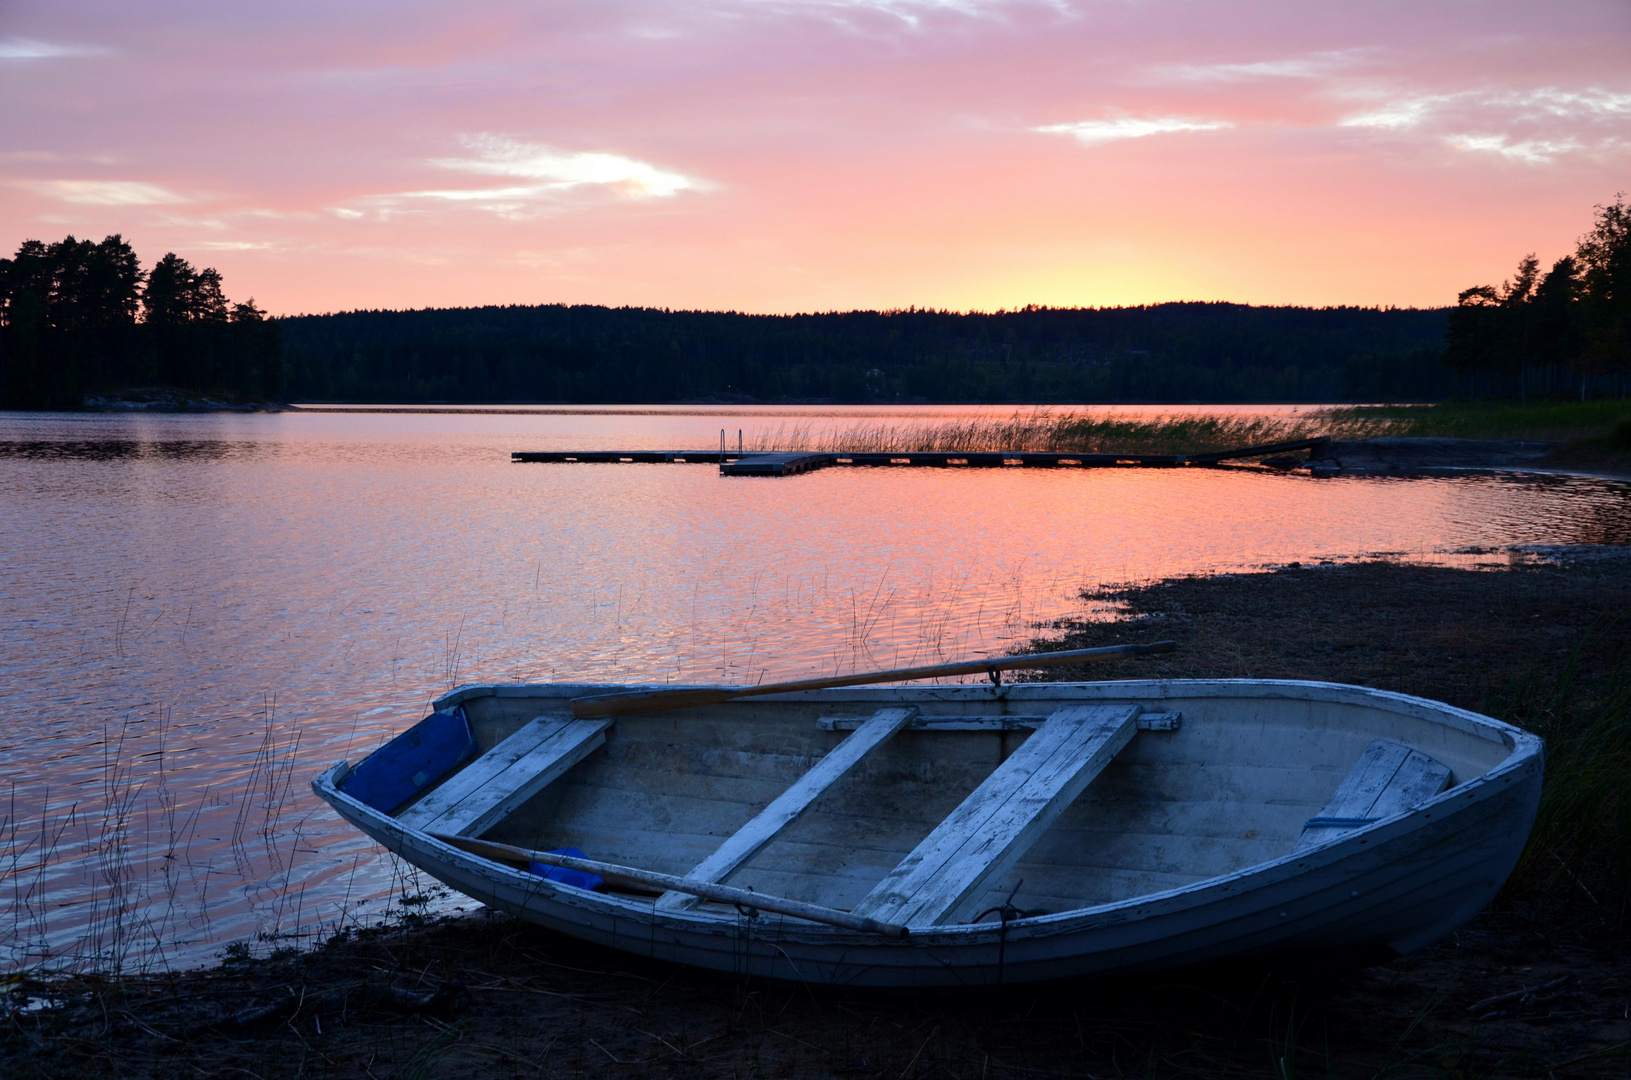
(1540, 986)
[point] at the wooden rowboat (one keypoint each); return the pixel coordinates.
(962, 835)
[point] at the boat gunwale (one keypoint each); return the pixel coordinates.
(1524, 751)
(1469, 722)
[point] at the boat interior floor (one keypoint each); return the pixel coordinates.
(929, 820)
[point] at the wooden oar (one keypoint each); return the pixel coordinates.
(657, 700)
(725, 894)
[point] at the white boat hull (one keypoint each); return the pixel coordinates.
(1389, 887)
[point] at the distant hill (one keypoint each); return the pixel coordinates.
(1180, 352)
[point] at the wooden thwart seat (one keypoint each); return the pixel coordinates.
(1389, 778)
(997, 824)
(484, 792)
(787, 806)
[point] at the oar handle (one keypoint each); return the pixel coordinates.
(637, 701)
(707, 890)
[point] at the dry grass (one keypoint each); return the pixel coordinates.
(1071, 432)
(117, 879)
(1108, 431)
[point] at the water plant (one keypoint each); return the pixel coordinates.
(1072, 431)
(1112, 429)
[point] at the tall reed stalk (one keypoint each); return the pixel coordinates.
(1082, 432)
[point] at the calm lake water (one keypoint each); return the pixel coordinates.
(203, 611)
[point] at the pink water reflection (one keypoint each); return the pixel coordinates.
(171, 577)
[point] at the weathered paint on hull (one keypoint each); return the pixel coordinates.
(1396, 885)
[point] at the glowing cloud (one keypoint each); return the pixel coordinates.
(1397, 115)
(1305, 67)
(26, 49)
(241, 245)
(1532, 126)
(105, 192)
(554, 177)
(559, 171)
(1094, 132)
(910, 12)
(1595, 102)
(1532, 151)
(799, 155)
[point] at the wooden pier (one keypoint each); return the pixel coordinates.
(791, 463)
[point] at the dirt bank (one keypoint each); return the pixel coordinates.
(1440, 456)
(1419, 454)
(1540, 986)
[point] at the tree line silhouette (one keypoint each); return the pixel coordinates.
(1159, 353)
(1553, 332)
(80, 317)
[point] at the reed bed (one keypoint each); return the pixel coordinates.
(1106, 431)
(1077, 431)
(124, 878)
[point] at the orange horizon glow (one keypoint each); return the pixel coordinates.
(783, 156)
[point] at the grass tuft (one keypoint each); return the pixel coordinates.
(1580, 847)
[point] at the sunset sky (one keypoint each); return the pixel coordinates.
(776, 155)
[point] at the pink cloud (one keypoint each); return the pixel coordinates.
(782, 155)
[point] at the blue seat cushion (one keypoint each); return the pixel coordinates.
(412, 762)
(578, 879)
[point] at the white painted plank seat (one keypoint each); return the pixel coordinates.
(484, 792)
(1388, 779)
(997, 824)
(786, 807)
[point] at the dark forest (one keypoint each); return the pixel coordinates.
(80, 318)
(1567, 329)
(1165, 352)
(1566, 333)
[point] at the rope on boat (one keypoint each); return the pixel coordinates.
(1006, 911)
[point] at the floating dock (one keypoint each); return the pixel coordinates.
(791, 463)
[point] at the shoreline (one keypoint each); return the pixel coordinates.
(1406, 456)
(1433, 456)
(171, 404)
(489, 996)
